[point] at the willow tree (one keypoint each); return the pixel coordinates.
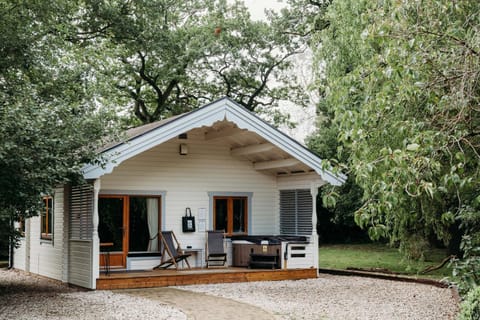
(402, 81)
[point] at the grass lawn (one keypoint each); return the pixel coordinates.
(380, 256)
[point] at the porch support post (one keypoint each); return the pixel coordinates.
(95, 239)
(314, 191)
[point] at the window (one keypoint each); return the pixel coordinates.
(296, 209)
(46, 219)
(144, 224)
(230, 214)
(130, 223)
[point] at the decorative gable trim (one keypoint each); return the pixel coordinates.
(223, 109)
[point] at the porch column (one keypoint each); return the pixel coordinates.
(314, 191)
(95, 238)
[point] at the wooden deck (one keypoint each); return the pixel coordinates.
(165, 278)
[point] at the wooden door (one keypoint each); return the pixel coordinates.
(113, 231)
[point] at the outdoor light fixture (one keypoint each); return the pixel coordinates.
(183, 149)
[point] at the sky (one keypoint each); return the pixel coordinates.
(257, 7)
(304, 117)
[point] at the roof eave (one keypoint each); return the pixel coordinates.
(218, 110)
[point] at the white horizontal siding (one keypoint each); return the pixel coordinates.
(80, 263)
(308, 261)
(46, 257)
(187, 179)
(142, 263)
(299, 181)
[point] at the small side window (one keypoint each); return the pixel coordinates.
(46, 219)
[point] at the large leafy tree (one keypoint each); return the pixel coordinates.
(305, 19)
(402, 79)
(172, 55)
(51, 120)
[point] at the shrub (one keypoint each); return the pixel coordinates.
(467, 269)
(470, 307)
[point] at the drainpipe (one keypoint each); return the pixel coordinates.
(314, 191)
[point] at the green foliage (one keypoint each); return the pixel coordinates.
(166, 57)
(414, 247)
(470, 307)
(402, 81)
(51, 120)
(467, 269)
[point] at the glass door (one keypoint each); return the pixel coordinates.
(113, 231)
(144, 224)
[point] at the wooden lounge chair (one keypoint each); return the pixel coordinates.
(215, 250)
(172, 254)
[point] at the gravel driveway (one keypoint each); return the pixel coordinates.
(24, 296)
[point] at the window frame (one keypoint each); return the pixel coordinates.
(46, 229)
(126, 195)
(246, 197)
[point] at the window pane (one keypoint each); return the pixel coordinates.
(221, 214)
(44, 222)
(143, 224)
(49, 215)
(110, 227)
(239, 211)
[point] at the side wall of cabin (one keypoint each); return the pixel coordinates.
(41, 256)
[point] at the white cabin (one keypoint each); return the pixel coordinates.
(228, 168)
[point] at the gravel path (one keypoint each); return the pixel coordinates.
(25, 296)
(204, 306)
(341, 297)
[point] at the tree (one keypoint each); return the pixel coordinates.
(51, 121)
(402, 79)
(173, 55)
(306, 18)
(336, 221)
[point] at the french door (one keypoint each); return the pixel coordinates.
(127, 224)
(113, 230)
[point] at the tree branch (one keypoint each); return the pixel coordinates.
(455, 39)
(265, 79)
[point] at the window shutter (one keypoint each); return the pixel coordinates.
(287, 212)
(296, 207)
(304, 212)
(81, 212)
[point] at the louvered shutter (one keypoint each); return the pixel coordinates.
(288, 218)
(81, 212)
(304, 212)
(296, 212)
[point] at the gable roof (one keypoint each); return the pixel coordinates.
(148, 136)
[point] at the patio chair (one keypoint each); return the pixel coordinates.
(215, 250)
(172, 254)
